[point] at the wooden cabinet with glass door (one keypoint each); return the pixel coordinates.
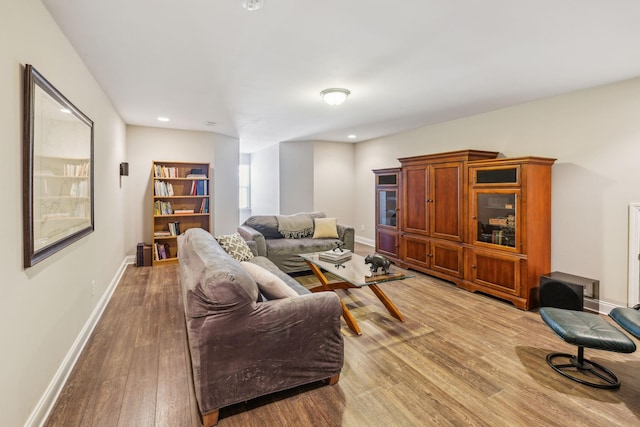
(387, 210)
(181, 201)
(509, 228)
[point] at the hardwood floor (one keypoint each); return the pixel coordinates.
(460, 359)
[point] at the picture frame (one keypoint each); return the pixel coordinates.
(57, 170)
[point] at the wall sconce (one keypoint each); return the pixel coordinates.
(124, 169)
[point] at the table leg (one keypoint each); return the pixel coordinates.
(326, 286)
(351, 321)
(393, 310)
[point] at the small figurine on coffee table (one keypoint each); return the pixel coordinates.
(338, 246)
(377, 261)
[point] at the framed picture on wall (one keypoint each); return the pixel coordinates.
(57, 170)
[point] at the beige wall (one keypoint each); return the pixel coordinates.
(265, 181)
(333, 184)
(304, 176)
(43, 309)
(296, 177)
(148, 144)
(594, 134)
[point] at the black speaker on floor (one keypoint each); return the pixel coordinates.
(562, 290)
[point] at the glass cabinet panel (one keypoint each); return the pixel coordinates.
(496, 215)
(387, 207)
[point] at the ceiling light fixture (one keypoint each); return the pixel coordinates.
(252, 5)
(335, 96)
(352, 136)
(163, 119)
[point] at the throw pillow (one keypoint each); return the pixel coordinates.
(325, 228)
(270, 285)
(235, 246)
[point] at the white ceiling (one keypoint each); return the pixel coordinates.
(407, 63)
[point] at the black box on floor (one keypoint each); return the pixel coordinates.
(563, 290)
(143, 255)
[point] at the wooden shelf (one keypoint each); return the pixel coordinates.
(175, 175)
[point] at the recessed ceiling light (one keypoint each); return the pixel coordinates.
(352, 136)
(163, 119)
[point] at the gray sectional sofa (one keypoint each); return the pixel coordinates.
(282, 251)
(243, 346)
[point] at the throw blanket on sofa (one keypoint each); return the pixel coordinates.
(295, 226)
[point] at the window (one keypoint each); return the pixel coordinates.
(245, 185)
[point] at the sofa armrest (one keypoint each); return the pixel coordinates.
(346, 233)
(251, 234)
(272, 346)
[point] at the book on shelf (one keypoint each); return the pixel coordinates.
(174, 228)
(199, 187)
(161, 251)
(335, 256)
(160, 171)
(161, 207)
(183, 211)
(162, 188)
(204, 206)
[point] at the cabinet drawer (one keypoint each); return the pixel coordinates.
(495, 270)
(387, 243)
(447, 258)
(415, 250)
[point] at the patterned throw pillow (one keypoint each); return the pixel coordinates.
(235, 246)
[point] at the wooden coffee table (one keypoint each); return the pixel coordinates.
(353, 274)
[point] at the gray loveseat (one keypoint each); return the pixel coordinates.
(242, 346)
(283, 252)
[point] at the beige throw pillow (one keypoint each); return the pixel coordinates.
(325, 228)
(270, 285)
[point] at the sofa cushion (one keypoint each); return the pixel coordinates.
(324, 228)
(270, 285)
(235, 246)
(267, 225)
(284, 252)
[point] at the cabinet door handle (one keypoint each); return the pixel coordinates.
(474, 217)
(473, 266)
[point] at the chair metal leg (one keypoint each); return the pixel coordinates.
(585, 367)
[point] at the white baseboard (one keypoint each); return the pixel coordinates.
(364, 241)
(48, 399)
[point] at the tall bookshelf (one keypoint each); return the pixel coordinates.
(181, 200)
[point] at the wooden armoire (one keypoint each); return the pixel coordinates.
(481, 222)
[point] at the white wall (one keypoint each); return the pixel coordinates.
(226, 197)
(265, 181)
(296, 177)
(333, 184)
(44, 308)
(147, 144)
(593, 133)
